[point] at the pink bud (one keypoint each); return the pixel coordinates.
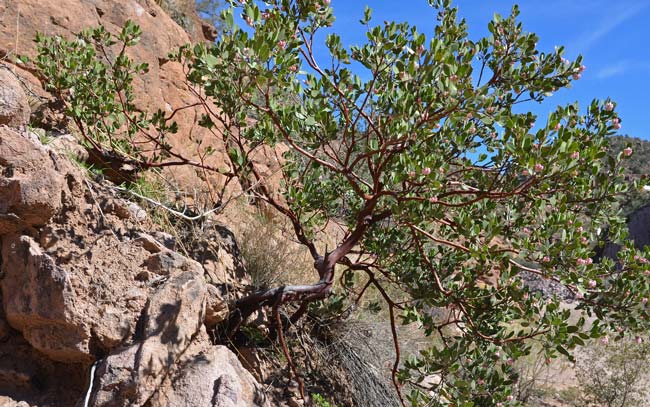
(627, 152)
(453, 78)
(609, 106)
(604, 340)
(644, 300)
(293, 68)
(590, 260)
(326, 2)
(472, 130)
(525, 173)
(412, 174)
(579, 229)
(592, 284)
(282, 44)
(575, 155)
(426, 171)
(248, 20)
(490, 109)
(576, 76)
(558, 126)
(539, 167)
(433, 199)
(546, 259)
(639, 340)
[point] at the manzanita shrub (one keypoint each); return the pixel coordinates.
(450, 197)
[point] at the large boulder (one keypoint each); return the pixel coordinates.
(210, 376)
(173, 316)
(30, 185)
(14, 105)
(39, 301)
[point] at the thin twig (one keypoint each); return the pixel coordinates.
(285, 349)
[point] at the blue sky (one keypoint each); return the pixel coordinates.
(612, 35)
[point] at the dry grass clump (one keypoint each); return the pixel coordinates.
(270, 256)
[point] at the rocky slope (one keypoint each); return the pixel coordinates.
(97, 306)
(87, 282)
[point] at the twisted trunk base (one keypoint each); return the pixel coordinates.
(274, 298)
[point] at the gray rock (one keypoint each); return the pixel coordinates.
(210, 376)
(166, 261)
(173, 316)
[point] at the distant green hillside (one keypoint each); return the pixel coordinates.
(636, 166)
(639, 163)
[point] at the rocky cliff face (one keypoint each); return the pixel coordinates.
(86, 281)
(97, 306)
(162, 87)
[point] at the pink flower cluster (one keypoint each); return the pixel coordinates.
(588, 260)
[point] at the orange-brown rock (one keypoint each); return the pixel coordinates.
(14, 106)
(30, 187)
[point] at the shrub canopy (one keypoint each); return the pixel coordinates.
(450, 196)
